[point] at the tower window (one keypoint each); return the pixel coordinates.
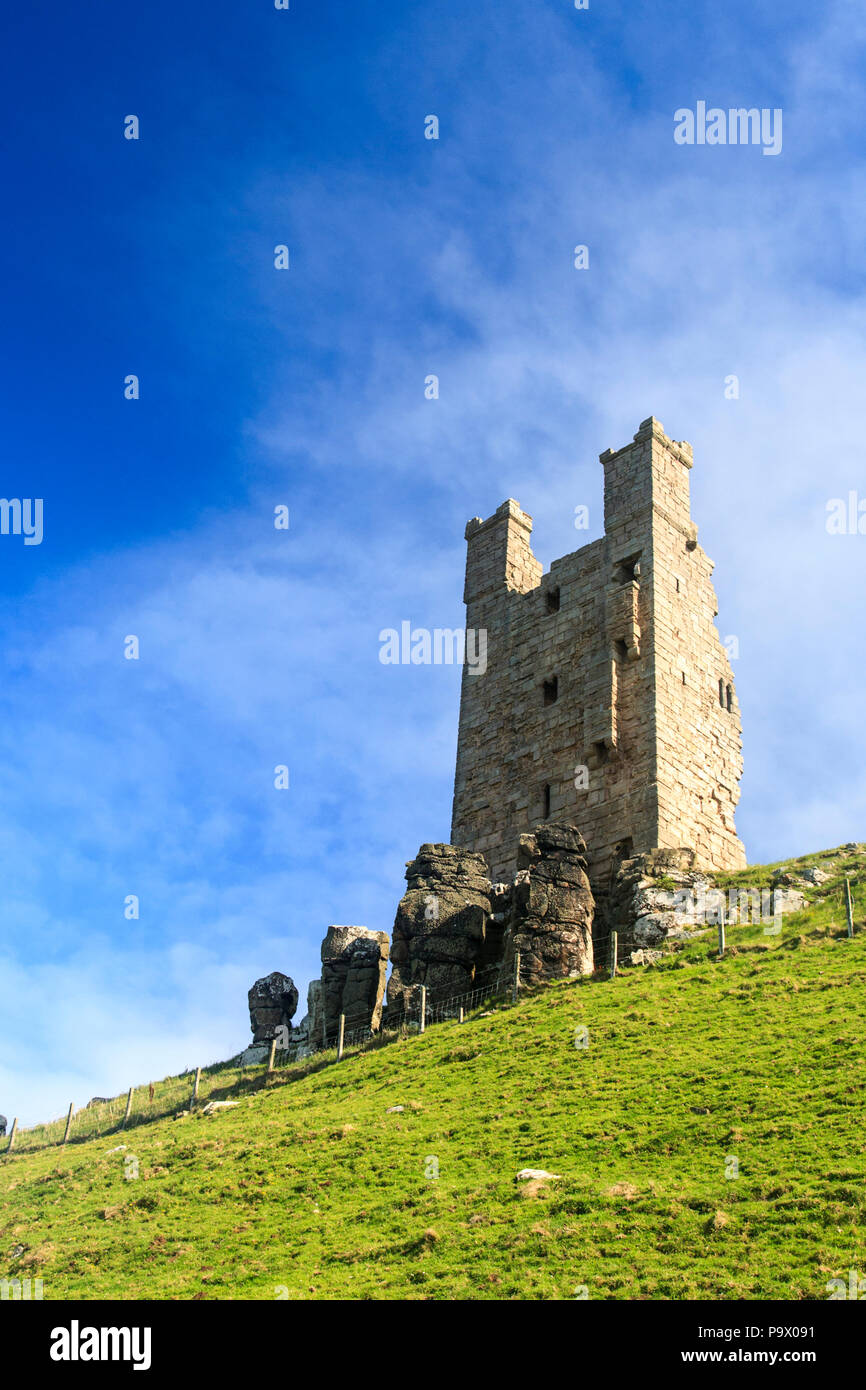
(620, 650)
(546, 801)
(551, 599)
(684, 677)
(550, 690)
(722, 693)
(602, 752)
(730, 699)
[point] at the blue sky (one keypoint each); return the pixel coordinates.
(306, 388)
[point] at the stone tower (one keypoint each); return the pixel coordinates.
(608, 699)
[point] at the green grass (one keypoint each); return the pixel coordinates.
(311, 1188)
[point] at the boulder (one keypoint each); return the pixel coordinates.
(273, 1001)
(788, 900)
(662, 896)
(654, 896)
(644, 957)
(816, 876)
(444, 934)
(551, 910)
(354, 968)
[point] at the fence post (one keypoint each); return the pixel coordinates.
(423, 1007)
(849, 905)
(128, 1109)
(12, 1135)
(721, 932)
(460, 1015)
(340, 1037)
(271, 1055)
(68, 1121)
(195, 1087)
(516, 987)
(613, 940)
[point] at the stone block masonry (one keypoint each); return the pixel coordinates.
(608, 699)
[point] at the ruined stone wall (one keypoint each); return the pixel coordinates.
(585, 670)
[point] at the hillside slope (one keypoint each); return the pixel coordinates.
(311, 1189)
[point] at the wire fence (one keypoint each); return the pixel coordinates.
(196, 1088)
(413, 1015)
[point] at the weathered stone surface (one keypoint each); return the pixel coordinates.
(644, 957)
(550, 915)
(354, 967)
(816, 876)
(662, 896)
(310, 1026)
(273, 1001)
(444, 935)
(256, 1055)
(788, 900)
(649, 900)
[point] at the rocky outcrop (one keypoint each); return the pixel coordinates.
(549, 911)
(273, 1001)
(354, 966)
(816, 876)
(653, 898)
(661, 896)
(444, 935)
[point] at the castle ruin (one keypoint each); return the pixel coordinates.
(608, 698)
(598, 762)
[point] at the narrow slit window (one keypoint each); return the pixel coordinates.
(730, 699)
(551, 599)
(722, 693)
(550, 690)
(546, 800)
(620, 650)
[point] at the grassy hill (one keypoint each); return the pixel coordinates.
(310, 1189)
